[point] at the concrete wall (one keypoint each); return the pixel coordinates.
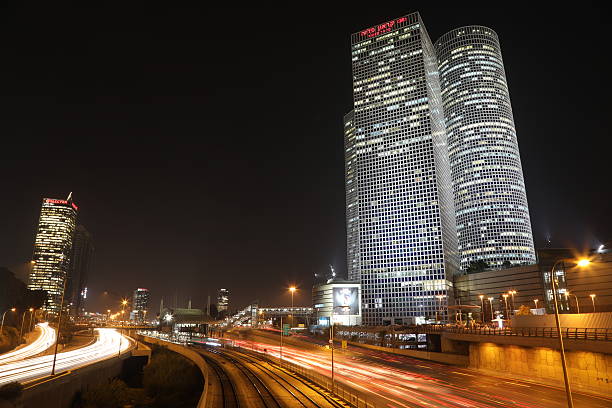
(588, 371)
(60, 391)
(583, 320)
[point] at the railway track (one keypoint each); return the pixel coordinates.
(269, 387)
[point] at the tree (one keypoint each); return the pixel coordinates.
(523, 311)
(11, 392)
(477, 266)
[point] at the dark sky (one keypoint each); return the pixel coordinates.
(204, 147)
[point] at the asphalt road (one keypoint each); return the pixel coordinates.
(399, 381)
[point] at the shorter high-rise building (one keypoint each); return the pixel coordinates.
(223, 300)
(81, 264)
(337, 301)
(140, 305)
(52, 250)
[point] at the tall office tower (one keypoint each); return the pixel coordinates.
(81, 264)
(407, 234)
(490, 200)
(352, 204)
(52, 248)
(223, 300)
(140, 305)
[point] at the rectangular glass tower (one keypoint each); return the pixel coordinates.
(52, 249)
(407, 244)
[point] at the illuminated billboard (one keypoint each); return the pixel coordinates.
(346, 301)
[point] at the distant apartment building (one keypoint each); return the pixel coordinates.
(223, 300)
(140, 305)
(52, 250)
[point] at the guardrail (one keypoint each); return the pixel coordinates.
(356, 398)
(599, 334)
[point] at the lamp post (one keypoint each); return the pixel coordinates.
(536, 302)
(505, 296)
(491, 303)
(292, 289)
(59, 326)
(439, 297)
(568, 391)
(281, 342)
(567, 294)
(22, 320)
(592, 295)
(331, 343)
(512, 293)
(30, 323)
(4, 314)
(482, 316)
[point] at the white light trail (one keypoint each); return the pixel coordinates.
(106, 345)
(43, 342)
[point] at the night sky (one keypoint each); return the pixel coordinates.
(204, 147)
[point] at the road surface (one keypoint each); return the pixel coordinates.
(106, 345)
(45, 340)
(399, 381)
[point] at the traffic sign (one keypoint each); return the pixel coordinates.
(286, 328)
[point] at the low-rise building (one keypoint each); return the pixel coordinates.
(337, 302)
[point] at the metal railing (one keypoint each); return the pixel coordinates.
(599, 334)
(356, 398)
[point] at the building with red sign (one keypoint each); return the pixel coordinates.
(400, 218)
(52, 249)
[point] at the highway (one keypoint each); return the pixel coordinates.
(399, 381)
(105, 346)
(45, 340)
(246, 380)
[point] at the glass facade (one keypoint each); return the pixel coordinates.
(223, 300)
(140, 305)
(52, 248)
(492, 216)
(406, 251)
(81, 264)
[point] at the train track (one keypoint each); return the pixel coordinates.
(287, 393)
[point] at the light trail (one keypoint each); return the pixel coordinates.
(398, 387)
(45, 340)
(105, 346)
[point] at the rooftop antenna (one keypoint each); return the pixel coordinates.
(333, 272)
(69, 197)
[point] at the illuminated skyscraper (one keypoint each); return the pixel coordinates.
(52, 249)
(223, 300)
(140, 305)
(352, 195)
(493, 222)
(407, 244)
(81, 264)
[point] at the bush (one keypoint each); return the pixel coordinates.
(11, 391)
(9, 339)
(114, 394)
(172, 380)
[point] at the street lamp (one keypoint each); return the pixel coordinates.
(439, 297)
(482, 308)
(512, 293)
(491, 303)
(536, 303)
(505, 296)
(567, 293)
(3, 314)
(592, 295)
(581, 263)
(292, 289)
(30, 323)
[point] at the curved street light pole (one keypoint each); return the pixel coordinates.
(59, 326)
(568, 390)
(4, 314)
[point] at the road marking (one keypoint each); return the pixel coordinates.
(457, 372)
(520, 385)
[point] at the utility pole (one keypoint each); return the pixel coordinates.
(59, 326)
(281, 341)
(331, 343)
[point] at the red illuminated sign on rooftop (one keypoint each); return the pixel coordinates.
(52, 201)
(381, 28)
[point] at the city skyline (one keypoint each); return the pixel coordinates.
(158, 209)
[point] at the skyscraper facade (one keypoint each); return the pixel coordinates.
(223, 300)
(492, 216)
(52, 249)
(81, 264)
(352, 195)
(407, 243)
(140, 305)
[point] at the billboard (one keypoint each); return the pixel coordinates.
(346, 301)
